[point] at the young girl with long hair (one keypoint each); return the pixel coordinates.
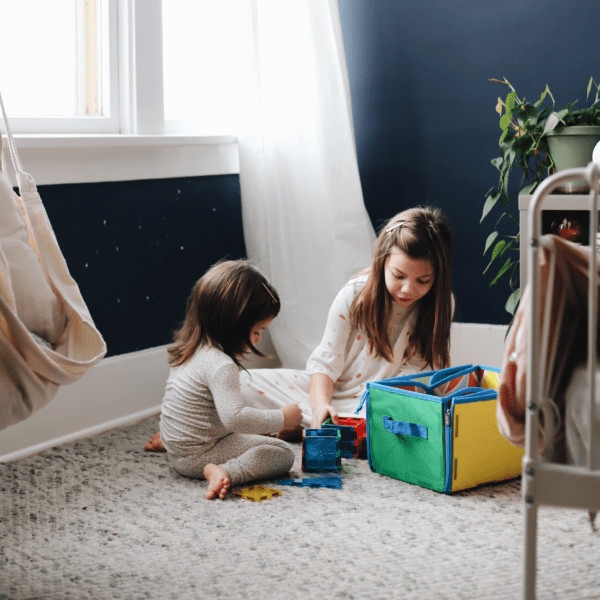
(205, 427)
(392, 319)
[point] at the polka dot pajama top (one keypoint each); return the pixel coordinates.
(341, 355)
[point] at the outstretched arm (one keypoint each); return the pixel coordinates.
(321, 391)
(327, 362)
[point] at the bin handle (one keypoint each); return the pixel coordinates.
(465, 392)
(402, 428)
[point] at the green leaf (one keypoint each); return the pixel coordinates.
(528, 189)
(539, 102)
(551, 96)
(498, 250)
(504, 184)
(521, 144)
(489, 204)
(529, 111)
(513, 301)
(539, 172)
(503, 270)
(597, 91)
(531, 124)
(510, 101)
(507, 247)
(497, 162)
(514, 275)
(508, 144)
(500, 219)
(490, 240)
(485, 270)
(504, 122)
(589, 87)
(552, 121)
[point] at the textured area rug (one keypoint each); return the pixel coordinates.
(102, 518)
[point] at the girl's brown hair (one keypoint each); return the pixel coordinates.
(222, 309)
(421, 233)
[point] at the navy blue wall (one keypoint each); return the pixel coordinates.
(136, 248)
(423, 107)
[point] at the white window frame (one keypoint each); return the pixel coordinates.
(87, 124)
(131, 143)
(140, 38)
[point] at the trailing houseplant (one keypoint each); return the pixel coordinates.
(524, 143)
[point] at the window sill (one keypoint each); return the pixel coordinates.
(54, 159)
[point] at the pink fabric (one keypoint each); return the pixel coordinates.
(568, 320)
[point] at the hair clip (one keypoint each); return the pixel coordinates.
(270, 293)
(395, 226)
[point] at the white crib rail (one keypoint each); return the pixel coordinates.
(545, 483)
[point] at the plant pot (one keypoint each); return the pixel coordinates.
(572, 147)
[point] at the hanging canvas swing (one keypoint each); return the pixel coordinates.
(47, 336)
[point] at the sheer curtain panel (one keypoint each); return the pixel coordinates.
(305, 223)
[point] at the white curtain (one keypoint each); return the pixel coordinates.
(305, 223)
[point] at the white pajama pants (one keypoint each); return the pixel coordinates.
(274, 388)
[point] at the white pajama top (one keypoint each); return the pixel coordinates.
(342, 356)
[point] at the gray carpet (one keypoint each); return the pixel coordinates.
(101, 518)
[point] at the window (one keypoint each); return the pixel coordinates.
(66, 79)
(57, 65)
(85, 92)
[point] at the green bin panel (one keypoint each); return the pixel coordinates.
(414, 460)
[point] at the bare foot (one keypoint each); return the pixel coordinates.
(155, 444)
(290, 435)
(218, 479)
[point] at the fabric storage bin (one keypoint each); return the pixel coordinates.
(438, 429)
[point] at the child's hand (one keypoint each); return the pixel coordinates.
(322, 412)
(292, 416)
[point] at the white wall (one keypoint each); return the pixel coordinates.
(123, 389)
(477, 344)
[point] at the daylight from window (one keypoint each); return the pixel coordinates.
(50, 61)
(201, 46)
(56, 67)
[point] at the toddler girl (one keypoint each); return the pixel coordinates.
(206, 428)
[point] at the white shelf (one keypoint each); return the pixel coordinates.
(558, 202)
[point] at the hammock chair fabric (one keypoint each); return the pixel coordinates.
(47, 336)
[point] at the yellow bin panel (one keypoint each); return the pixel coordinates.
(480, 454)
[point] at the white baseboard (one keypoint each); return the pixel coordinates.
(117, 391)
(123, 389)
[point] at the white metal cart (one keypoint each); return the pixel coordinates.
(546, 483)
